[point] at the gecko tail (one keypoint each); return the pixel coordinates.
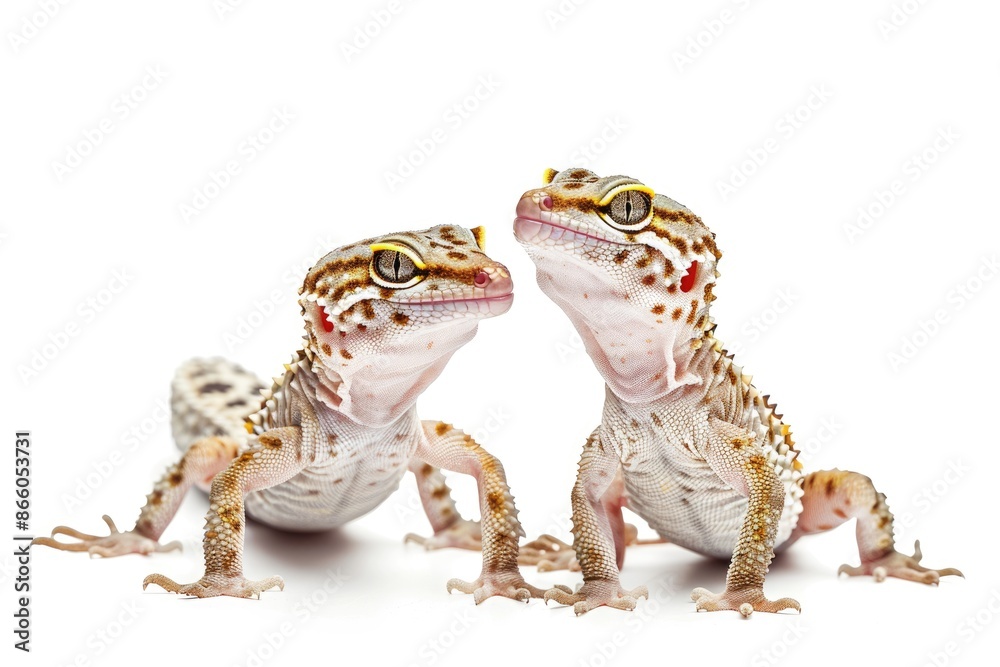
(212, 397)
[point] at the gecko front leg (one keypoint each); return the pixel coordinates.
(452, 449)
(599, 546)
(739, 460)
(202, 461)
(271, 459)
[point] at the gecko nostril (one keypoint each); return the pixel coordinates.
(546, 203)
(482, 279)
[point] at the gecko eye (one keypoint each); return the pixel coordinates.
(394, 266)
(628, 208)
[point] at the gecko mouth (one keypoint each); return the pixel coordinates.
(484, 305)
(550, 232)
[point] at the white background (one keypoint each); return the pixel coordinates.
(682, 127)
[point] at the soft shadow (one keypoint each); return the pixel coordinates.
(309, 550)
(701, 571)
(795, 561)
(690, 570)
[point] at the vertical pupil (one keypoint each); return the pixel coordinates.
(395, 265)
(628, 207)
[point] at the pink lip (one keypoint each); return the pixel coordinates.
(495, 305)
(521, 219)
(481, 299)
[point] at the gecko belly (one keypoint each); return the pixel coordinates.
(326, 495)
(686, 503)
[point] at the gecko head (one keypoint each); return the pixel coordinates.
(613, 242)
(633, 270)
(402, 300)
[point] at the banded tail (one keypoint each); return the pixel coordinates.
(212, 397)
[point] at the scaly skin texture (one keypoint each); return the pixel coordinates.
(703, 456)
(337, 430)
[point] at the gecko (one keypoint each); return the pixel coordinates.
(686, 441)
(332, 436)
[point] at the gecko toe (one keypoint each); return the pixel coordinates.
(209, 586)
(900, 566)
(597, 593)
(744, 600)
(507, 584)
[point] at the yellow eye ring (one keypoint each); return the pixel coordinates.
(639, 187)
(399, 247)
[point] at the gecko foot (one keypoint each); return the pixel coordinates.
(549, 553)
(744, 600)
(463, 534)
(901, 566)
(212, 585)
(115, 544)
(508, 584)
(597, 593)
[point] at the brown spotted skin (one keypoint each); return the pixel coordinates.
(211, 397)
(332, 435)
(704, 457)
(835, 496)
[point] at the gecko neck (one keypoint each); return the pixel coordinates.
(668, 364)
(643, 355)
(376, 389)
(693, 373)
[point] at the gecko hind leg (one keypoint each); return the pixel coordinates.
(833, 497)
(450, 529)
(202, 460)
